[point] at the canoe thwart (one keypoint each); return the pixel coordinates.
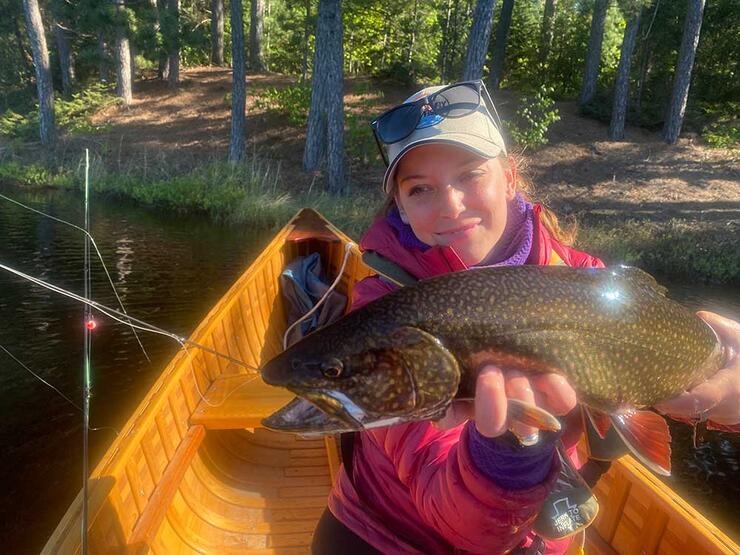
(241, 401)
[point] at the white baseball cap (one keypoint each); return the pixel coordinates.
(475, 132)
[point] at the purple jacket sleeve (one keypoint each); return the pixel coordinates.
(510, 465)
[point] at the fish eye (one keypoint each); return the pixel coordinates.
(332, 368)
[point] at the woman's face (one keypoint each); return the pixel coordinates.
(451, 196)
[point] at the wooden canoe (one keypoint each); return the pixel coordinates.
(193, 474)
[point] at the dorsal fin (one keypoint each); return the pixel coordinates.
(641, 277)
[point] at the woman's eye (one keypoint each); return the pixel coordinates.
(417, 190)
(472, 176)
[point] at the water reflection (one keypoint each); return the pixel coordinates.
(168, 270)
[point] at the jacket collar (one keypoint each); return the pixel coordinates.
(382, 238)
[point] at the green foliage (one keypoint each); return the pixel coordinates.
(292, 101)
(723, 134)
(72, 115)
(534, 117)
(34, 175)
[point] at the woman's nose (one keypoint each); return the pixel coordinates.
(452, 201)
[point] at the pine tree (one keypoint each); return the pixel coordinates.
(480, 34)
(256, 29)
(325, 135)
(499, 47)
(44, 88)
(237, 143)
(621, 84)
(593, 58)
(684, 66)
(217, 32)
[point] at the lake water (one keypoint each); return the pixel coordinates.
(169, 270)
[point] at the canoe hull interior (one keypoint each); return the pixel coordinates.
(188, 475)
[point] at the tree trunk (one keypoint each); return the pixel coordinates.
(593, 57)
(237, 141)
(173, 53)
(546, 34)
(622, 81)
(217, 32)
(499, 47)
(63, 39)
(123, 59)
(306, 37)
(682, 79)
(163, 70)
(256, 28)
(102, 57)
(325, 133)
(66, 60)
(414, 16)
(480, 33)
(444, 48)
(44, 87)
(645, 62)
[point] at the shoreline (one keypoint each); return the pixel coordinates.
(675, 249)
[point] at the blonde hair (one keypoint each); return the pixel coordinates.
(563, 232)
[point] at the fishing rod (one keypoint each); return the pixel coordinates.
(91, 239)
(87, 341)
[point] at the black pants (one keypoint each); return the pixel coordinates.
(334, 538)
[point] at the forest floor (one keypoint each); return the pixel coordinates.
(654, 190)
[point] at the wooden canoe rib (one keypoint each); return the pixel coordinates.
(185, 476)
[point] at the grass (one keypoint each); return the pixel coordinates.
(251, 194)
(677, 249)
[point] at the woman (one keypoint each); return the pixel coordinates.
(466, 483)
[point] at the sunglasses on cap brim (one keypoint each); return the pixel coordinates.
(454, 101)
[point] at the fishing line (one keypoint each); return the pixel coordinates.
(42, 380)
(197, 385)
(347, 251)
(97, 251)
(123, 318)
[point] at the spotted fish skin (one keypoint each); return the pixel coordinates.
(614, 335)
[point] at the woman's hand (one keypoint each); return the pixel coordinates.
(718, 398)
(548, 391)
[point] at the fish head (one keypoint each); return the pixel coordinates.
(367, 379)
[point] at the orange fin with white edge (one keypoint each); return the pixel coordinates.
(647, 436)
(531, 415)
(599, 420)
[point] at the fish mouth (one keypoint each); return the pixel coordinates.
(303, 417)
(324, 412)
(336, 405)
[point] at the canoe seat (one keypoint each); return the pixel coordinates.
(239, 401)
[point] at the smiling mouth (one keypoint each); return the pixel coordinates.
(456, 231)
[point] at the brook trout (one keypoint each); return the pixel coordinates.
(612, 333)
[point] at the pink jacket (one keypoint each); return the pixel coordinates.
(415, 488)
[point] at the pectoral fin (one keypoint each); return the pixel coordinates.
(647, 436)
(531, 415)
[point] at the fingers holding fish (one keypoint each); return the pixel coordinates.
(554, 394)
(718, 398)
(490, 402)
(506, 400)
